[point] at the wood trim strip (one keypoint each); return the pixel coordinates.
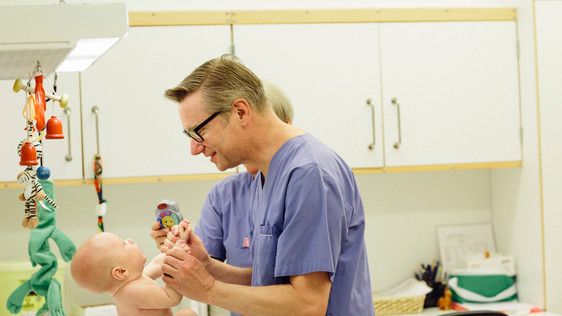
(445, 167)
(130, 180)
(177, 18)
(545, 279)
(220, 176)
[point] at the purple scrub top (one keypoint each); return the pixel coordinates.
(224, 223)
(308, 217)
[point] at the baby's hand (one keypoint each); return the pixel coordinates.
(183, 229)
(177, 232)
(181, 244)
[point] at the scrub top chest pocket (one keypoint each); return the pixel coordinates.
(264, 254)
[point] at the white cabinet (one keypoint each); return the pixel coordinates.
(139, 130)
(328, 71)
(12, 125)
(549, 50)
(457, 89)
(456, 84)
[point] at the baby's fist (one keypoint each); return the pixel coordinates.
(182, 244)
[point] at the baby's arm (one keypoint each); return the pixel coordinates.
(151, 296)
(154, 268)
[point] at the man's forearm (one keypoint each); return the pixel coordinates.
(229, 274)
(265, 300)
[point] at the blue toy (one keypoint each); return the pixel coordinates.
(168, 213)
(43, 173)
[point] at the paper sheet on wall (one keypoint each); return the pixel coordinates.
(459, 242)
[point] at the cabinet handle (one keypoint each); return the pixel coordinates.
(399, 142)
(370, 104)
(96, 111)
(68, 156)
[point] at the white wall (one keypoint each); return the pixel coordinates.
(403, 211)
(515, 193)
(549, 46)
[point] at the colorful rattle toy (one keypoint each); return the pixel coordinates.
(168, 213)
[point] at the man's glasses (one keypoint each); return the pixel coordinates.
(194, 132)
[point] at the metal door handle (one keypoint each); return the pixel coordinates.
(399, 142)
(96, 111)
(68, 156)
(370, 104)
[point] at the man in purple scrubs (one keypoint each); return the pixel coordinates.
(224, 226)
(308, 249)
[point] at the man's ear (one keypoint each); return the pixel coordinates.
(242, 109)
(119, 273)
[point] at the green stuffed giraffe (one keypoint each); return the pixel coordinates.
(42, 282)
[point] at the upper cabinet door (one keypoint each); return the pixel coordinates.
(455, 92)
(328, 71)
(64, 156)
(55, 151)
(139, 129)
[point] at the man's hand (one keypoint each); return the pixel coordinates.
(159, 235)
(187, 275)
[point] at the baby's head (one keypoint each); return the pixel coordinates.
(105, 262)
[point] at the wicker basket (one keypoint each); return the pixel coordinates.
(402, 305)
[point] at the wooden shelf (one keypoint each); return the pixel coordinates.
(177, 18)
(220, 176)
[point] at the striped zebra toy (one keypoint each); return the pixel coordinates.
(32, 195)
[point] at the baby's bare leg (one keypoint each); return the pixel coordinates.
(186, 312)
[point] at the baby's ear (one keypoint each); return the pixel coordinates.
(119, 273)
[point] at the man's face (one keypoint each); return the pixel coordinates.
(217, 134)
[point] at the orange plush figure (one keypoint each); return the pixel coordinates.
(40, 103)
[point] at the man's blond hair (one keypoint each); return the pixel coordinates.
(221, 81)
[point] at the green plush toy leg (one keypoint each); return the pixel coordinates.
(66, 246)
(15, 301)
(41, 280)
(39, 238)
(54, 300)
(44, 309)
(53, 303)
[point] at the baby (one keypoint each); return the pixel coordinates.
(106, 263)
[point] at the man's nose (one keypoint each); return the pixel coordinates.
(196, 148)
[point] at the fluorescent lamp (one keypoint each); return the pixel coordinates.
(87, 50)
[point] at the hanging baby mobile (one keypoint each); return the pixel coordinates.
(101, 208)
(39, 197)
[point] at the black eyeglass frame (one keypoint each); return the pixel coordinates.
(193, 133)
